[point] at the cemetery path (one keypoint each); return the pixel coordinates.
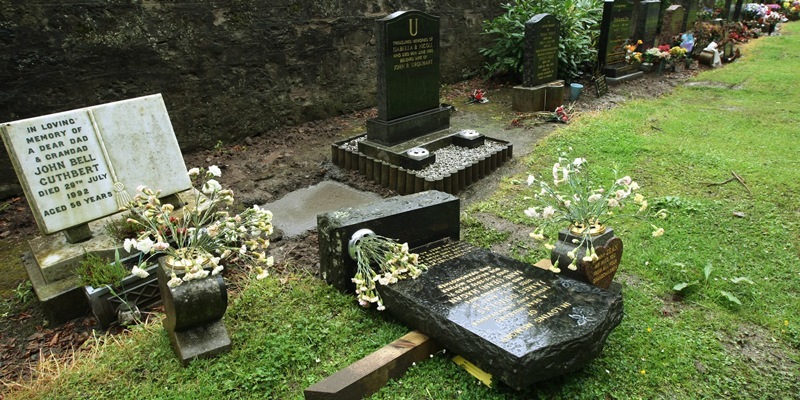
(265, 167)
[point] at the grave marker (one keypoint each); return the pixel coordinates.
(541, 90)
(647, 22)
(692, 7)
(408, 78)
(600, 85)
(75, 165)
(671, 25)
(615, 33)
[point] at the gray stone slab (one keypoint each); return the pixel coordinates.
(297, 212)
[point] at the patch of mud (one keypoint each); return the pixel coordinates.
(757, 348)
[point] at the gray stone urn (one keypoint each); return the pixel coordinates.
(599, 272)
(194, 312)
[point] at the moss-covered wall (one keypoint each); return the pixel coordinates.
(226, 69)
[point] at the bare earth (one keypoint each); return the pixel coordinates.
(262, 169)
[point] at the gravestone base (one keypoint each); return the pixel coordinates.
(205, 341)
(61, 300)
(623, 78)
(619, 70)
(392, 168)
(545, 97)
(390, 133)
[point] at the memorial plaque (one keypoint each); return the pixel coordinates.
(542, 35)
(74, 165)
(647, 22)
(601, 272)
(408, 64)
(600, 85)
(671, 25)
(519, 323)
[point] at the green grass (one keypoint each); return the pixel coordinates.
(697, 345)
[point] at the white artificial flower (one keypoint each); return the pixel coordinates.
(193, 172)
(531, 212)
(211, 186)
(548, 212)
(160, 246)
(262, 273)
(214, 171)
(175, 281)
(595, 197)
(531, 180)
(138, 271)
(578, 162)
(217, 270)
(144, 245)
(128, 244)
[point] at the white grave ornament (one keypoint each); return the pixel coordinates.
(81, 165)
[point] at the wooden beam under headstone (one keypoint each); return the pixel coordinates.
(369, 374)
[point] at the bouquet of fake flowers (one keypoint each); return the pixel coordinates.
(202, 233)
(573, 198)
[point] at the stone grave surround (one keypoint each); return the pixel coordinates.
(399, 148)
(519, 323)
(541, 90)
(615, 32)
(79, 166)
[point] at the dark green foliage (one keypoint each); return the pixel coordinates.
(580, 28)
(97, 271)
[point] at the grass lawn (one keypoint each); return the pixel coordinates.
(694, 344)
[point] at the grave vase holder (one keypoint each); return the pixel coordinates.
(194, 311)
(599, 272)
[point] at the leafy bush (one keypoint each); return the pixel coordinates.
(580, 28)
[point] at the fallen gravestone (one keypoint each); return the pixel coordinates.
(517, 322)
(79, 166)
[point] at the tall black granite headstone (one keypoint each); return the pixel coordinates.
(727, 10)
(647, 22)
(542, 34)
(671, 24)
(615, 32)
(541, 90)
(408, 78)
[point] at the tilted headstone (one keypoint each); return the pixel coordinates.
(671, 25)
(76, 166)
(647, 22)
(615, 32)
(542, 34)
(408, 78)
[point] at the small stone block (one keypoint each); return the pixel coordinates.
(204, 341)
(367, 375)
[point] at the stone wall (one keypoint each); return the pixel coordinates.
(226, 69)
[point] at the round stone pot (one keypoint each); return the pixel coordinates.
(600, 272)
(193, 303)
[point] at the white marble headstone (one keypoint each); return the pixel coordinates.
(74, 166)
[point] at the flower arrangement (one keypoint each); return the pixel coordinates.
(677, 52)
(575, 199)
(631, 55)
(478, 96)
(659, 53)
(392, 260)
(792, 10)
(203, 233)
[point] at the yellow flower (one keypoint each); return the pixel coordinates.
(649, 329)
(786, 322)
(658, 232)
(643, 372)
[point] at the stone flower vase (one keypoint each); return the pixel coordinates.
(600, 272)
(194, 311)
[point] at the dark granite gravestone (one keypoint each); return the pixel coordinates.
(727, 10)
(517, 322)
(691, 7)
(408, 78)
(671, 25)
(647, 22)
(542, 34)
(615, 33)
(540, 90)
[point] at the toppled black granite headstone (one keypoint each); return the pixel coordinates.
(517, 322)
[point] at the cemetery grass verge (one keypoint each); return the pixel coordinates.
(291, 331)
